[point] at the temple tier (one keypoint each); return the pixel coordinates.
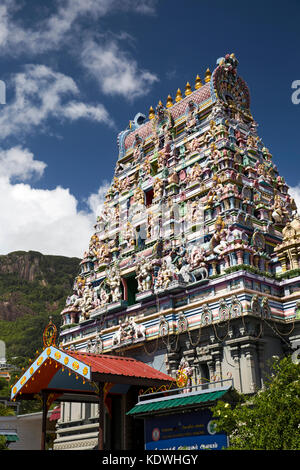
(195, 255)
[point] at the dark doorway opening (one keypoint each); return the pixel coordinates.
(149, 197)
(132, 289)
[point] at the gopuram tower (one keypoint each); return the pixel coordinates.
(196, 252)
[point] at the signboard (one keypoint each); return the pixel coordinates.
(192, 431)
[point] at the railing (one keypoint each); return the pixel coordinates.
(208, 386)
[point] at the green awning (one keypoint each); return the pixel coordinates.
(9, 436)
(183, 400)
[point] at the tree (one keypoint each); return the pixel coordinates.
(6, 411)
(269, 420)
(3, 445)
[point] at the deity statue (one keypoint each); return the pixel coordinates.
(210, 198)
(218, 110)
(94, 245)
(139, 196)
(138, 331)
(195, 212)
(251, 141)
(129, 235)
(195, 173)
(158, 186)
(165, 276)
(103, 253)
(103, 218)
(113, 280)
(115, 185)
(124, 184)
(218, 241)
(197, 257)
(104, 294)
(215, 154)
(86, 301)
(138, 152)
(144, 275)
(173, 178)
(147, 166)
(195, 145)
(279, 211)
(162, 159)
(191, 120)
(184, 376)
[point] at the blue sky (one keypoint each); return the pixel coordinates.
(76, 71)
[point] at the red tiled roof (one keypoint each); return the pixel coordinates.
(120, 366)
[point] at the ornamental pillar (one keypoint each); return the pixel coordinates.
(172, 363)
(227, 263)
(214, 268)
(249, 368)
(211, 369)
(237, 379)
(217, 358)
(240, 257)
(294, 258)
(261, 362)
(283, 261)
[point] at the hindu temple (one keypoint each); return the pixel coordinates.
(194, 260)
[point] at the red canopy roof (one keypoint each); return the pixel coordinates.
(46, 372)
(120, 366)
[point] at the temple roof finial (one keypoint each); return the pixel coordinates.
(151, 113)
(198, 83)
(207, 75)
(178, 96)
(169, 102)
(188, 89)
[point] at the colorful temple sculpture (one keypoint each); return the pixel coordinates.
(196, 253)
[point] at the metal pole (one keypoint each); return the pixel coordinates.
(44, 421)
(101, 418)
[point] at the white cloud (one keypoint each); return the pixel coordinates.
(294, 191)
(75, 110)
(41, 93)
(48, 221)
(18, 163)
(51, 32)
(115, 71)
(96, 200)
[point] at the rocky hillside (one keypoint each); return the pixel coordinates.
(32, 287)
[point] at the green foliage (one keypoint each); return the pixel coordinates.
(35, 286)
(288, 274)
(24, 336)
(248, 268)
(3, 445)
(6, 411)
(4, 388)
(36, 299)
(270, 420)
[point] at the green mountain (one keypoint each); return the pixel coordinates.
(32, 287)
